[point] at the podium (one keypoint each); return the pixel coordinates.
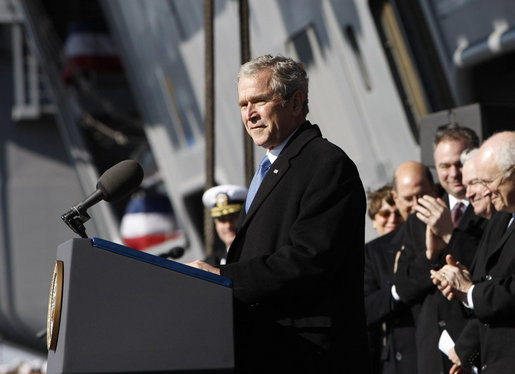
(116, 309)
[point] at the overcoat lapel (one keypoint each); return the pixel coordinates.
(281, 165)
(487, 249)
(468, 217)
(277, 171)
(507, 233)
(502, 237)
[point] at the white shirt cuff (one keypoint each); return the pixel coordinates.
(395, 295)
(470, 302)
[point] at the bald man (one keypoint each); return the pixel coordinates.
(390, 321)
(411, 181)
(486, 341)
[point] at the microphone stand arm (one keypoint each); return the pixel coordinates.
(77, 215)
(75, 219)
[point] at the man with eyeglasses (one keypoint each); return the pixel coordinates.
(489, 290)
(430, 234)
(389, 320)
(475, 189)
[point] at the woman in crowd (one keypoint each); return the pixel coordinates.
(382, 210)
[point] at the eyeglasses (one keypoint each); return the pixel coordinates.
(387, 213)
(409, 199)
(490, 183)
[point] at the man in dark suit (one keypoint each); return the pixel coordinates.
(487, 340)
(459, 237)
(390, 321)
(297, 259)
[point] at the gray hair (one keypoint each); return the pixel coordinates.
(467, 154)
(288, 76)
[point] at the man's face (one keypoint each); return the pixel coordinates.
(499, 187)
(226, 228)
(409, 188)
(266, 120)
(476, 191)
(448, 166)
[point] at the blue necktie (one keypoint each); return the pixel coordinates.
(256, 181)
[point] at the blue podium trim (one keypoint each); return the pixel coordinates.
(162, 262)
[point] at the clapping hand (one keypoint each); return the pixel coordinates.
(453, 280)
(435, 213)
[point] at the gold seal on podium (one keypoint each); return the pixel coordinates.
(54, 306)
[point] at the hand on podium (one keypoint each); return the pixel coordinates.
(199, 264)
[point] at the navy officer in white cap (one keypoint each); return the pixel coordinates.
(225, 202)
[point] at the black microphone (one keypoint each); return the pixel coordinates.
(120, 180)
(115, 183)
(174, 253)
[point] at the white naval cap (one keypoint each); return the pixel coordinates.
(224, 199)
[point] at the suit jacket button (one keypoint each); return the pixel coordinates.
(398, 356)
(483, 368)
(488, 277)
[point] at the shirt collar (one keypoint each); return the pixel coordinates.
(274, 152)
(453, 201)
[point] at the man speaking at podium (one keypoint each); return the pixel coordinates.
(297, 260)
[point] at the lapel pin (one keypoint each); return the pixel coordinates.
(276, 171)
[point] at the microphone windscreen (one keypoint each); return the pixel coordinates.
(120, 180)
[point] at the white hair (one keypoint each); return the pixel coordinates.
(502, 148)
(467, 154)
(505, 153)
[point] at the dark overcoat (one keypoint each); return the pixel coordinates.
(297, 264)
(433, 312)
(488, 340)
(390, 323)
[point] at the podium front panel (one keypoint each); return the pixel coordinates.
(127, 311)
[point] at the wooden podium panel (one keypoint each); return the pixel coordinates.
(124, 311)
